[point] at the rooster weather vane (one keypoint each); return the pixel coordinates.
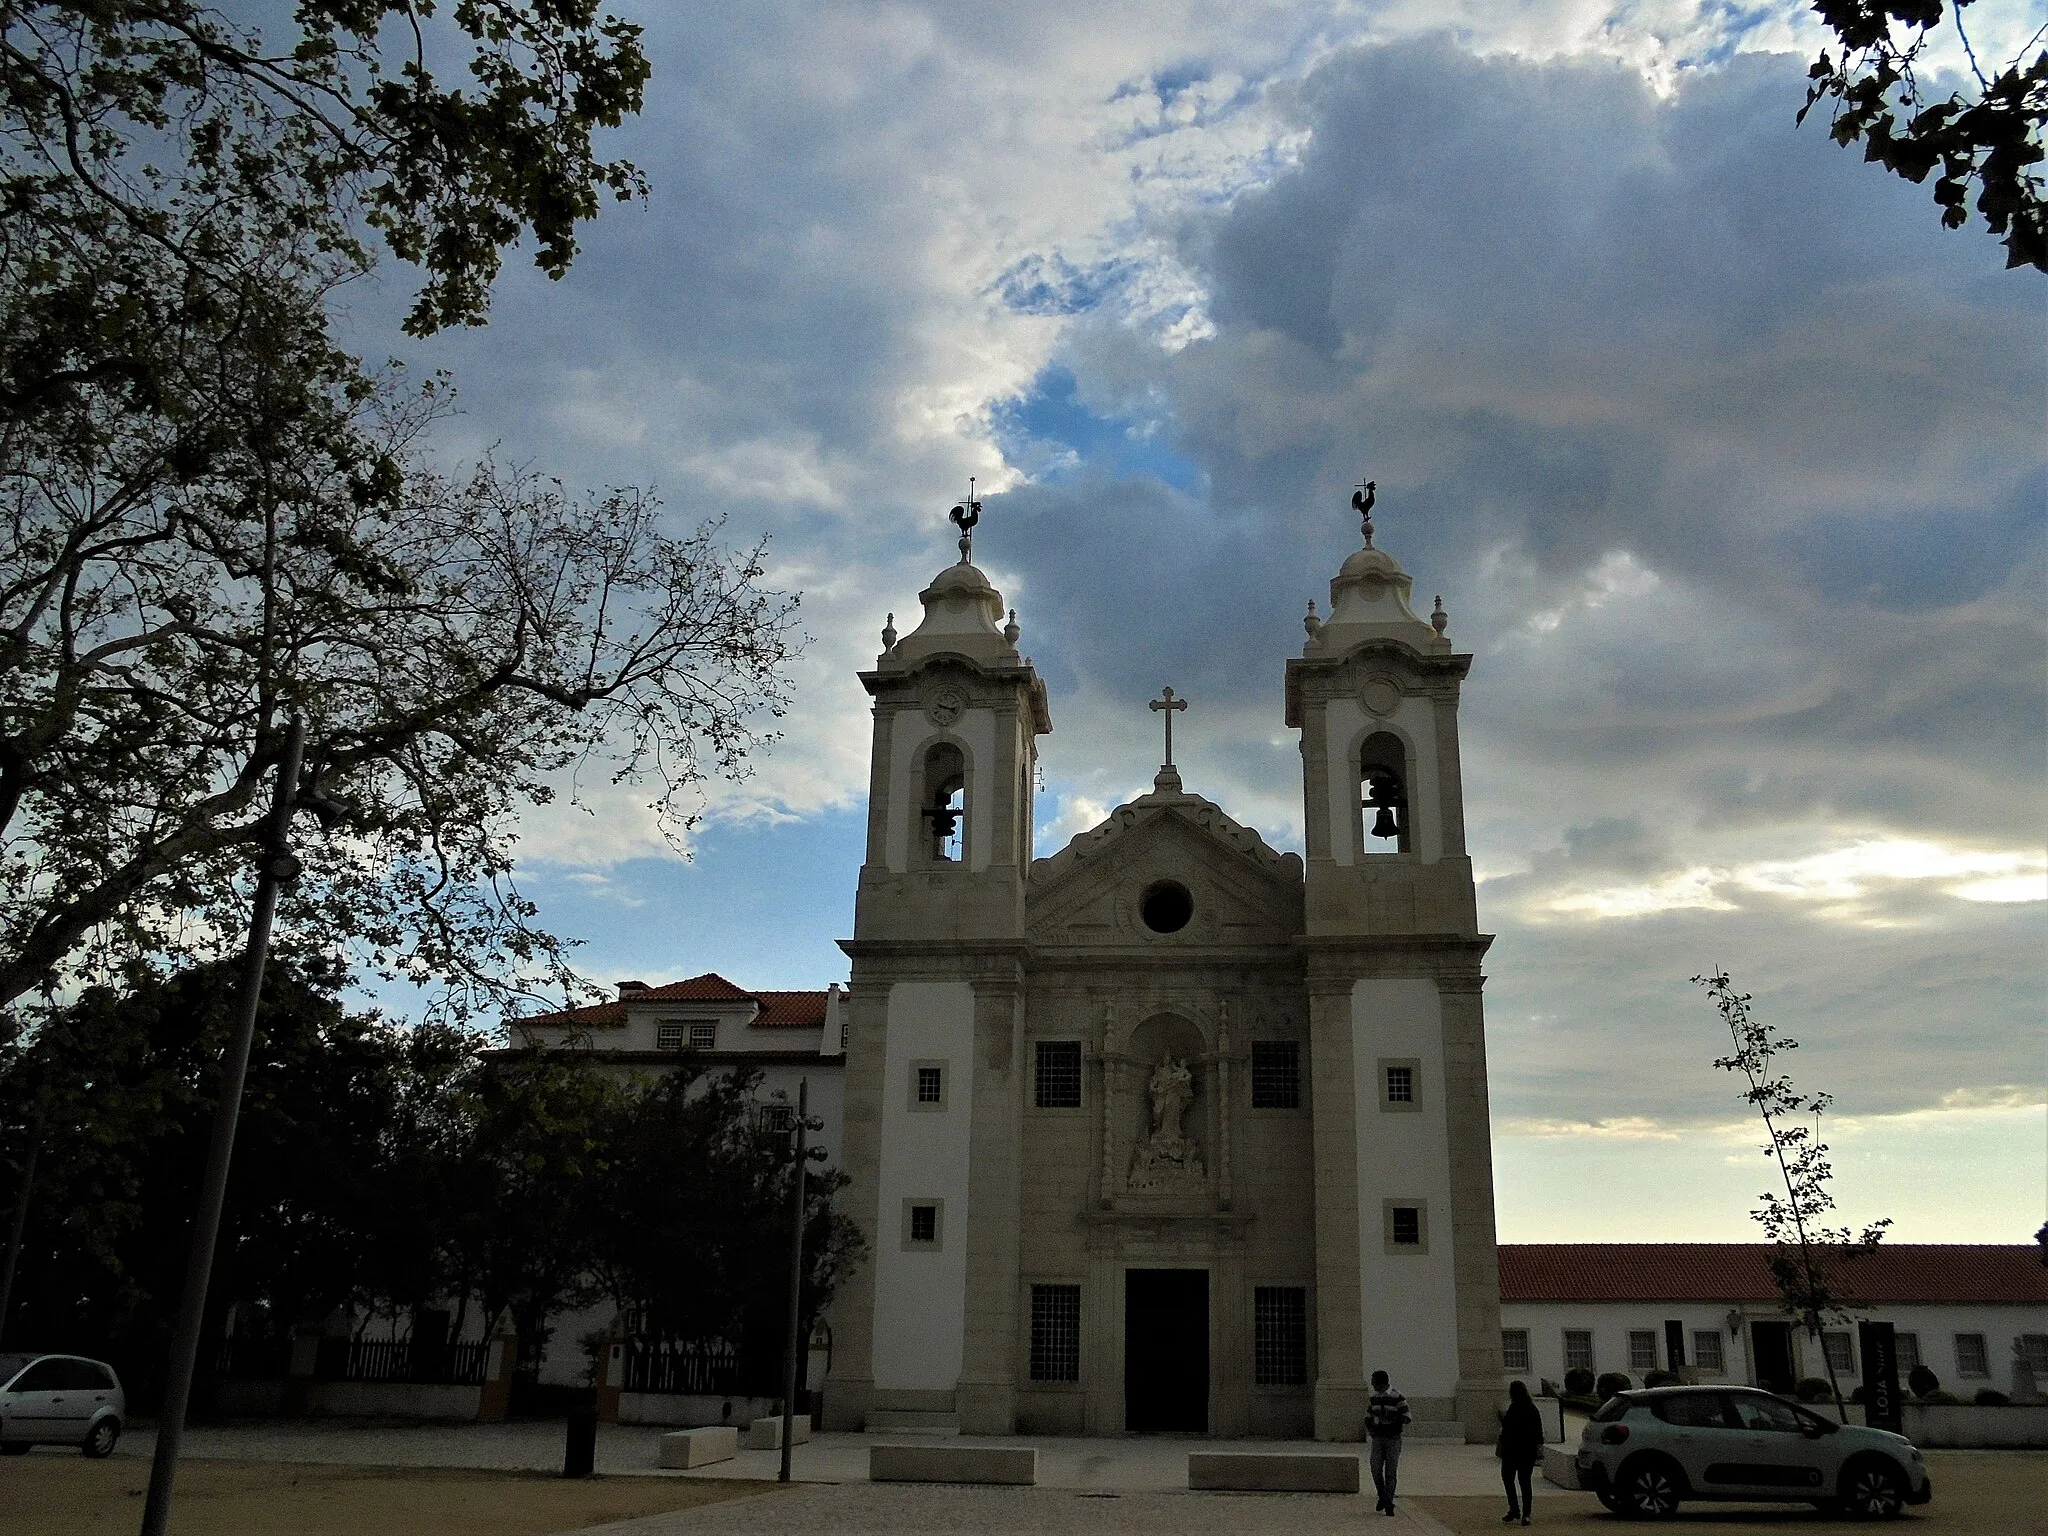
(964, 517)
(1361, 503)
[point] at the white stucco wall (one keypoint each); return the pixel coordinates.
(1414, 721)
(921, 1296)
(1408, 1301)
(1935, 1327)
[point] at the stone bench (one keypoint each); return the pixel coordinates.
(1272, 1472)
(685, 1448)
(766, 1434)
(953, 1464)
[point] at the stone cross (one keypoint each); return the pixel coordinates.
(1169, 704)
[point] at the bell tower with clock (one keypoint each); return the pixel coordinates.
(935, 1012)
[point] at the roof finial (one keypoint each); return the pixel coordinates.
(889, 634)
(965, 516)
(1361, 503)
(1439, 620)
(1310, 621)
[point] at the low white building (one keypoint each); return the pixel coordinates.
(1971, 1313)
(790, 1037)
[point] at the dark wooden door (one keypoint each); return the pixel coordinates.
(1773, 1345)
(1166, 1349)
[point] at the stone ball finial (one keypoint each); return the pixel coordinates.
(889, 634)
(1012, 629)
(1438, 619)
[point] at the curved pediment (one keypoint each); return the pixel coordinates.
(1090, 892)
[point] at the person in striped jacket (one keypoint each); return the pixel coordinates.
(1386, 1415)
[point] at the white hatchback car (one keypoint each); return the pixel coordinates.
(1646, 1452)
(59, 1400)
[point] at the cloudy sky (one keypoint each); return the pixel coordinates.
(1726, 458)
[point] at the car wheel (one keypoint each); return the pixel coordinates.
(1872, 1490)
(1649, 1490)
(99, 1441)
(14, 1447)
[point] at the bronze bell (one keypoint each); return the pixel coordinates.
(1384, 825)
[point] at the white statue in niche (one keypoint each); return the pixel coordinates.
(1167, 1158)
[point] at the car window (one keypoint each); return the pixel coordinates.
(11, 1365)
(1691, 1410)
(1767, 1413)
(1614, 1408)
(81, 1376)
(43, 1376)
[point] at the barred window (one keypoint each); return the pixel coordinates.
(703, 1036)
(931, 1085)
(1972, 1359)
(1514, 1349)
(1841, 1354)
(924, 1223)
(1407, 1224)
(1276, 1074)
(1908, 1346)
(775, 1119)
(1400, 1085)
(669, 1037)
(1706, 1350)
(2034, 1350)
(1055, 1333)
(1642, 1349)
(1057, 1080)
(1578, 1349)
(1279, 1336)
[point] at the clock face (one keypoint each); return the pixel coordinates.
(946, 705)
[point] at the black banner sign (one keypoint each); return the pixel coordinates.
(1880, 1375)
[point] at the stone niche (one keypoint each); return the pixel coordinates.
(1168, 1105)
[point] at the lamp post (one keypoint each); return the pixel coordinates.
(275, 867)
(796, 1273)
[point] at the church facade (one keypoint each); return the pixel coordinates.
(1169, 1131)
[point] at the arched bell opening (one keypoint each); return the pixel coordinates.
(1385, 820)
(943, 804)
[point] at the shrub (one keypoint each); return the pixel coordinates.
(1923, 1381)
(1814, 1390)
(1856, 1395)
(1991, 1397)
(1662, 1379)
(1611, 1382)
(1579, 1383)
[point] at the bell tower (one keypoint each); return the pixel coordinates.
(926, 1327)
(1406, 1277)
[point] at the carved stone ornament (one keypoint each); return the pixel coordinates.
(1166, 1159)
(945, 704)
(1379, 697)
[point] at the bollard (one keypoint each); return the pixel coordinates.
(580, 1457)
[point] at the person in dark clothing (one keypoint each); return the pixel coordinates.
(1519, 1449)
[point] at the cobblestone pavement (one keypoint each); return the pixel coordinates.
(877, 1509)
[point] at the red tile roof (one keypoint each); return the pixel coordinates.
(779, 1010)
(1730, 1272)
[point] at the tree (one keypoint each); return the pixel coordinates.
(1808, 1258)
(1989, 138)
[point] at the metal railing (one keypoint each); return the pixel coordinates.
(703, 1367)
(396, 1360)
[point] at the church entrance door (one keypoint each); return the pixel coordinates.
(1166, 1349)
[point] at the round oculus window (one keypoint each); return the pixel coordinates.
(1166, 906)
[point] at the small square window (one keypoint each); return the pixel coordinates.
(1578, 1349)
(1642, 1349)
(1706, 1350)
(1840, 1352)
(928, 1086)
(1276, 1074)
(2034, 1350)
(1972, 1359)
(670, 1037)
(775, 1119)
(1056, 1079)
(1514, 1350)
(1400, 1084)
(1407, 1226)
(1055, 1333)
(1279, 1336)
(703, 1036)
(924, 1224)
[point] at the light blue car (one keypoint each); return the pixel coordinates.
(59, 1400)
(1644, 1453)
